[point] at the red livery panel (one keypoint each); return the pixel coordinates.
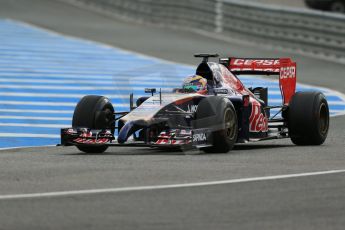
(284, 67)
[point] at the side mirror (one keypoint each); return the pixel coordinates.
(150, 90)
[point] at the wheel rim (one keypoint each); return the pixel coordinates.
(109, 118)
(229, 125)
(324, 121)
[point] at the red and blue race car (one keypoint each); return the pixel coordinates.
(212, 111)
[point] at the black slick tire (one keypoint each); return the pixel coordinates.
(95, 112)
(308, 118)
(218, 113)
(338, 6)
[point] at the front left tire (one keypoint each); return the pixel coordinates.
(94, 112)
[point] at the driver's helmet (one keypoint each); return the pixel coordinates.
(195, 83)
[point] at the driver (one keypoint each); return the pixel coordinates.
(195, 84)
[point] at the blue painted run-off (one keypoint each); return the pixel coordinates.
(43, 75)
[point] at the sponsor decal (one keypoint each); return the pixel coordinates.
(71, 131)
(288, 72)
(257, 121)
(287, 82)
(262, 65)
(249, 62)
(192, 108)
(91, 141)
(172, 142)
(185, 132)
(168, 137)
(86, 133)
(221, 91)
(199, 137)
(274, 70)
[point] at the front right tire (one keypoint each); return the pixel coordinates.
(218, 114)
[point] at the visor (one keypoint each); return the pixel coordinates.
(194, 88)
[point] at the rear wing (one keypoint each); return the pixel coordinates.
(284, 67)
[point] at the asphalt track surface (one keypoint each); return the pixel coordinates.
(311, 202)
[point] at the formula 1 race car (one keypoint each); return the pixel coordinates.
(212, 112)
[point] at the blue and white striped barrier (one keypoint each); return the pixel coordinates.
(43, 75)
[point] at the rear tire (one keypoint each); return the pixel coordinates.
(218, 113)
(308, 118)
(95, 112)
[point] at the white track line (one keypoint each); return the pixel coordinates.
(21, 147)
(85, 41)
(81, 88)
(36, 111)
(88, 82)
(36, 118)
(157, 187)
(336, 102)
(144, 56)
(33, 125)
(38, 103)
(163, 77)
(58, 95)
(115, 86)
(54, 104)
(28, 135)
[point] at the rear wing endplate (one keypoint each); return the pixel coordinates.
(284, 67)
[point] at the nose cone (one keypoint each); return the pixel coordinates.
(127, 130)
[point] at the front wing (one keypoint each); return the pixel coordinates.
(167, 139)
